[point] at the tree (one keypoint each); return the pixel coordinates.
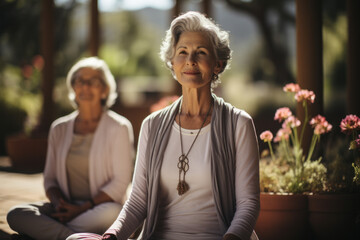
(262, 12)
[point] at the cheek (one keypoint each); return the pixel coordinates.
(177, 61)
(176, 65)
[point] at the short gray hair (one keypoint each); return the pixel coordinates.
(196, 22)
(107, 78)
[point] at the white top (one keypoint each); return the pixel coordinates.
(110, 158)
(77, 167)
(193, 212)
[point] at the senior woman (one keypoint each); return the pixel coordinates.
(88, 165)
(196, 175)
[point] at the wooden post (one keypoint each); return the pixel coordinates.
(206, 5)
(353, 58)
(309, 61)
(176, 10)
(47, 50)
(94, 28)
(177, 90)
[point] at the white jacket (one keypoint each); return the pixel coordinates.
(110, 159)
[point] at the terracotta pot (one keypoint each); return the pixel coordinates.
(333, 216)
(27, 153)
(282, 217)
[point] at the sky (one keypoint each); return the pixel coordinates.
(113, 5)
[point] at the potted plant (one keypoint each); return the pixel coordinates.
(334, 214)
(27, 149)
(288, 173)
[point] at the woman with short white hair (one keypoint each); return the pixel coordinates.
(88, 165)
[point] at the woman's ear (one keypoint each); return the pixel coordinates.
(105, 93)
(218, 67)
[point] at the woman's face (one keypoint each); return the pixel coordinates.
(89, 88)
(194, 62)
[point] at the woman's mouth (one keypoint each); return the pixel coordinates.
(192, 72)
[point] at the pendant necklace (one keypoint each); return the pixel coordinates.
(183, 163)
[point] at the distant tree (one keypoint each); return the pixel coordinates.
(283, 11)
(20, 30)
(20, 43)
(272, 17)
(129, 45)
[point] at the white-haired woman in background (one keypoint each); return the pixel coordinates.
(89, 161)
(197, 167)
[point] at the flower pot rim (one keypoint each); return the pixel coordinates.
(284, 193)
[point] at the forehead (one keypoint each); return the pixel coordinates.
(194, 38)
(88, 72)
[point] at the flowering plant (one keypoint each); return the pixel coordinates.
(350, 125)
(290, 169)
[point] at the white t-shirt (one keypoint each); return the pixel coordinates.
(194, 212)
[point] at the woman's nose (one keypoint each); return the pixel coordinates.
(191, 59)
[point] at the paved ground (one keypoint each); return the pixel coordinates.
(16, 188)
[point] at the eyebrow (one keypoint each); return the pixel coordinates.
(186, 47)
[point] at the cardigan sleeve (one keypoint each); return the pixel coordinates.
(246, 179)
(134, 210)
(120, 157)
(50, 173)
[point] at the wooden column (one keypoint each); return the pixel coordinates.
(353, 58)
(177, 90)
(309, 61)
(206, 5)
(47, 51)
(94, 38)
(176, 10)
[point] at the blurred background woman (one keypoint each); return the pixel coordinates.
(89, 161)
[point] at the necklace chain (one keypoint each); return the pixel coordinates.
(183, 163)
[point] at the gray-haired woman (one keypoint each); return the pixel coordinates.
(197, 169)
(88, 165)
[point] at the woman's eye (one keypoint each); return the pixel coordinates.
(182, 52)
(202, 53)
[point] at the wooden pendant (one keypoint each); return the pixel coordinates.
(182, 187)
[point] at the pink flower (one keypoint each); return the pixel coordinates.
(350, 123)
(305, 95)
(291, 122)
(266, 136)
(163, 102)
(320, 125)
(291, 87)
(357, 142)
(283, 133)
(322, 128)
(317, 120)
(27, 71)
(38, 62)
(282, 114)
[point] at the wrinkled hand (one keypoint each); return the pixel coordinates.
(65, 211)
(109, 237)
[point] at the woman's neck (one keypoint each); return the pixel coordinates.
(89, 113)
(195, 102)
